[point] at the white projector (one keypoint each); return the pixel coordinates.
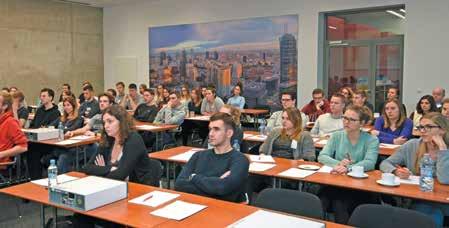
(40, 134)
(88, 193)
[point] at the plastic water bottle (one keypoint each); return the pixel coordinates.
(236, 145)
(61, 131)
(262, 128)
(426, 178)
(52, 174)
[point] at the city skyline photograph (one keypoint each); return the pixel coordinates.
(260, 53)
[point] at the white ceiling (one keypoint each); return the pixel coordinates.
(102, 3)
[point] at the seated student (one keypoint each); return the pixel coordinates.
(112, 92)
(172, 113)
(211, 103)
(120, 98)
(19, 110)
(185, 95)
(406, 160)
(195, 102)
(348, 93)
(393, 126)
(235, 113)
(70, 118)
(159, 97)
(288, 99)
(70, 121)
(165, 98)
(289, 141)
(425, 105)
(329, 123)
(81, 96)
(94, 124)
(89, 107)
(146, 111)
(12, 139)
(121, 155)
(345, 149)
(318, 106)
(393, 93)
(220, 172)
(61, 103)
(67, 91)
(361, 99)
(237, 100)
(47, 112)
(438, 94)
(133, 99)
(445, 108)
(142, 88)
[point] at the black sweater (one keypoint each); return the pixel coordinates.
(69, 125)
(145, 113)
(45, 117)
(134, 162)
(208, 167)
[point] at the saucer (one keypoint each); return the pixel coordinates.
(309, 167)
(381, 182)
(351, 174)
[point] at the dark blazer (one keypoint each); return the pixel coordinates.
(134, 162)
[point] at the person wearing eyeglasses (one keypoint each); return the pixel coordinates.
(347, 148)
(434, 128)
(393, 126)
(288, 99)
(317, 106)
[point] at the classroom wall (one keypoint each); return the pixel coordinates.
(44, 43)
(126, 34)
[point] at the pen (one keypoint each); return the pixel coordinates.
(147, 198)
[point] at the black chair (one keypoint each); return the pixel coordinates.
(385, 216)
(290, 201)
(155, 174)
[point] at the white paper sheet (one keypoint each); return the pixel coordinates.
(261, 158)
(325, 169)
(267, 219)
(200, 118)
(296, 173)
(186, 155)
(67, 142)
(154, 198)
(147, 127)
(389, 146)
(178, 210)
(260, 167)
(61, 179)
(412, 180)
(81, 137)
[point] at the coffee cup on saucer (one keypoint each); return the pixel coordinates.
(388, 178)
(357, 170)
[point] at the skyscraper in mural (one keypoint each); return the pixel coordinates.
(289, 61)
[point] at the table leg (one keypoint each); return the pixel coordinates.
(274, 182)
(157, 144)
(168, 174)
(76, 158)
(42, 213)
(55, 216)
(85, 155)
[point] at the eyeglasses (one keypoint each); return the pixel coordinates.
(349, 119)
(287, 99)
(172, 98)
(426, 127)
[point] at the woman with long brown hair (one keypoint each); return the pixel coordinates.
(70, 118)
(393, 126)
(289, 141)
(434, 141)
(122, 152)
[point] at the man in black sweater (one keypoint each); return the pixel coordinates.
(47, 112)
(147, 111)
(220, 172)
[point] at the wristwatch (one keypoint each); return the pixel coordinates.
(191, 176)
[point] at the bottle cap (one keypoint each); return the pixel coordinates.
(52, 161)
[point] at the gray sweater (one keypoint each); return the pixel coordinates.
(214, 107)
(169, 115)
(304, 148)
(406, 155)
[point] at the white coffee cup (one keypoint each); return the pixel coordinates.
(358, 170)
(388, 178)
